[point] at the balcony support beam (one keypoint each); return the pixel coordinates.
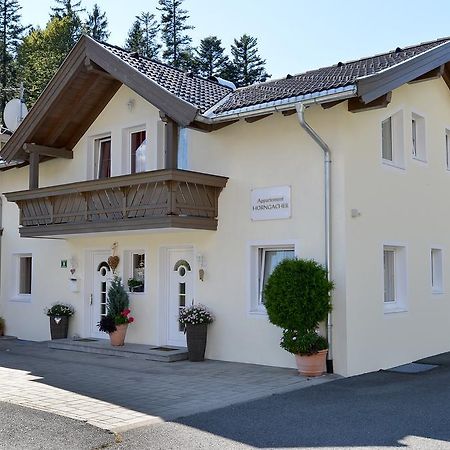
(34, 171)
(171, 142)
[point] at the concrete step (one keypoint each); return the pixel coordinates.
(138, 351)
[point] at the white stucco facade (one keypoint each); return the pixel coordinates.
(373, 205)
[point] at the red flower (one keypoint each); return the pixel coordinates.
(125, 312)
(130, 319)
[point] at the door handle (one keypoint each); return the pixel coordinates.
(90, 299)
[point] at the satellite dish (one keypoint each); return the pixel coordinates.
(13, 114)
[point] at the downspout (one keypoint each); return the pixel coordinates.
(300, 108)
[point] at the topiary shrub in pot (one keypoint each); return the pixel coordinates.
(116, 321)
(297, 298)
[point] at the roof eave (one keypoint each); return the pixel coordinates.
(371, 87)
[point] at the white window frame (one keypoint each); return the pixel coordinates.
(97, 146)
(397, 140)
(400, 278)
(418, 137)
(17, 295)
(447, 149)
(437, 270)
(128, 269)
(256, 307)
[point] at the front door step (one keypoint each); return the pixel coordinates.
(138, 351)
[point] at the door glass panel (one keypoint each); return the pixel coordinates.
(181, 300)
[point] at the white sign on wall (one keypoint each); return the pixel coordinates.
(271, 203)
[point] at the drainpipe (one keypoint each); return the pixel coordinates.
(300, 107)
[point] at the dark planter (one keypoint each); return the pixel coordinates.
(196, 341)
(59, 326)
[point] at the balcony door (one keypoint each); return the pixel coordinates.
(101, 278)
(180, 292)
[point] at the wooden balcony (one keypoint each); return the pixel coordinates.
(169, 198)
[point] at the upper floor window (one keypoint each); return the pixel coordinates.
(418, 137)
(102, 162)
(138, 151)
(392, 140)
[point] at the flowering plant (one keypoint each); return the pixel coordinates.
(59, 310)
(195, 314)
(303, 343)
(109, 323)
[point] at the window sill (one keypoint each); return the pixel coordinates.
(137, 293)
(21, 298)
(437, 292)
(393, 164)
(393, 309)
(261, 312)
(420, 160)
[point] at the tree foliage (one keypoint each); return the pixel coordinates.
(297, 295)
(11, 34)
(71, 11)
(118, 300)
(96, 25)
(142, 37)
(211, 59)
(177, 51)
(247, 67)
(41, 53)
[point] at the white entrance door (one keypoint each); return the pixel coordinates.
(101, 277)
(181, 292)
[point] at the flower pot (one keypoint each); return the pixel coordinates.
(117, 337)
(59, 326)
(196, 341)
(312, 365)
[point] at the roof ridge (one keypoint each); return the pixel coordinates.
(155, 61)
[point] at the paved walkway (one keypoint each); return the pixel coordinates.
(118, 394)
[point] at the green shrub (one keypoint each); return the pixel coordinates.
(60, 309)
(306, 343)
(297, 295)
(118, 300)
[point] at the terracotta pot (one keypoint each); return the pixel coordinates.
(117, 337)
(196, 341)
(312, 365)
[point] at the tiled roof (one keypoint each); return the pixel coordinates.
(198, 91)
(339, 75)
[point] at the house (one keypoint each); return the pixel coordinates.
(201, 189)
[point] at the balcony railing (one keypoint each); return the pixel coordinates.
(169, 198)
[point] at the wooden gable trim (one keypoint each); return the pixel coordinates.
(357, 105)
(179, 110)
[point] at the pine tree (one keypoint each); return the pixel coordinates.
(247, 66)
(210, 59)
(118, 299)
(177, 50)
(142, 37)
(11, 33)
(65, 8)
(41, 53)
(96, 25)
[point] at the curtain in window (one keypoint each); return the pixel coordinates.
(389, 276)
(104, 164)
(138, 152)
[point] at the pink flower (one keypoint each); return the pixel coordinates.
(130, 319)
(125, 312)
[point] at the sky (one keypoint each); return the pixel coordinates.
(293, 35)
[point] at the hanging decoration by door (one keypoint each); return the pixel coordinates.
(114, 260)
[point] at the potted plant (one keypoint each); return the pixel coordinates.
(2, 326)
(116, 321)
(135, 285)
(297, 298)
(195, 319)
(59, 314)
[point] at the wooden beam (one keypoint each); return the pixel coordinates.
(357, 105)
(48, 151)
(256, 118)
(431, 75)
(446, 74)
(289, 112)
(91, 67)
(34, 171)
(206, 127)
(171, 142)
(329, 105)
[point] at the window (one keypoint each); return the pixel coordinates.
(394, 271)
(264, 259)
(436, 271)
(183, 148)
(447, 149)
(138, 151)
(392, 140)
(23, 276)
(134, 268)
(102, 158)
(418, 137)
